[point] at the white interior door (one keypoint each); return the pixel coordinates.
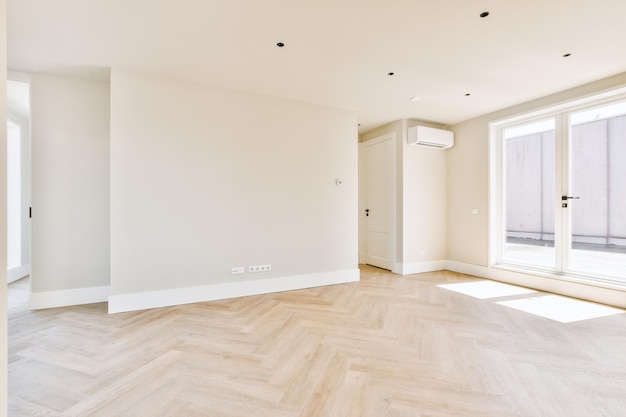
(378, 212)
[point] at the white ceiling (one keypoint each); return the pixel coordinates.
(338, 52)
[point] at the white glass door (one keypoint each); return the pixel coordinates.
(563, 193)
(596, 204)
(529, 168)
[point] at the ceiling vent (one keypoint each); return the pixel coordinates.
(430, 137)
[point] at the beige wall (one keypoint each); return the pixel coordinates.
(70, 183)
(203, 180)
(468, 188)
(424, 201)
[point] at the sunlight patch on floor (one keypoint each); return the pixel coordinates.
(561, 309)
(486, 289)
(565, 310)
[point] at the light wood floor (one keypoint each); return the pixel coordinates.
(388, 346)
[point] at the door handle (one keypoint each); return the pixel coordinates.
(564, 198)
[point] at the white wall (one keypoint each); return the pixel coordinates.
(468, 187)
(70, 188)
(424, 203)
(203, 180)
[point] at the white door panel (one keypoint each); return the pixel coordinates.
(379, 216)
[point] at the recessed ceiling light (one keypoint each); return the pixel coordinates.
(567, 55)
(484, 14)
(280, 44)
(390, 74)
(415, 98)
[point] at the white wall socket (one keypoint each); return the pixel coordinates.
(259, 268)
(238, 270)
(424, 253)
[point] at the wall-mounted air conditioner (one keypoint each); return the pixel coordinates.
(431, 137)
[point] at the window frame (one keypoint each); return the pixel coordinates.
(497, 189)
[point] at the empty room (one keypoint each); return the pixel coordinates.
(313, 208)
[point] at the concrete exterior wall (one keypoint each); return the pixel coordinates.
(599, 216)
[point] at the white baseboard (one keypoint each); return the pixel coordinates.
(64, 298)
(14, 274)
(418, 267)
(544, 282)
(176, 296)
(154, 299)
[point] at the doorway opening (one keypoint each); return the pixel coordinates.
(18, 178)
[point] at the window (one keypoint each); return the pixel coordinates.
(14, 195)
(561, 191)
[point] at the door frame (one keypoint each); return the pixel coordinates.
(363, 198)
(561, 113)
(26, 171)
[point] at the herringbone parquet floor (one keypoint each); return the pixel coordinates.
(388, 346)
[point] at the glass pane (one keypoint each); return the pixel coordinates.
(529, 162)
(14, 195)
(598, 172)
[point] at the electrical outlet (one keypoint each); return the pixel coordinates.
(259, 268)
(235, 270)
(424, 253)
